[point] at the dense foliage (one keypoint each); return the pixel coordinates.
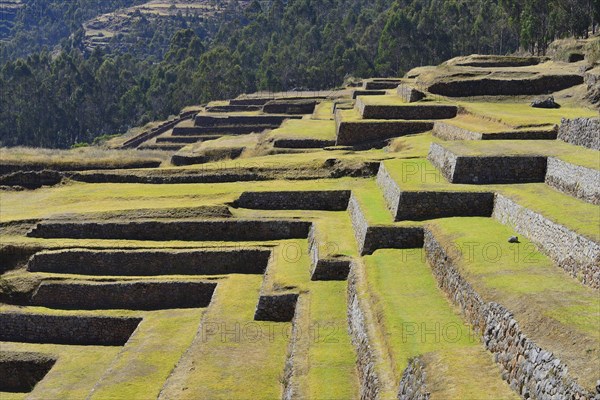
(57, 99)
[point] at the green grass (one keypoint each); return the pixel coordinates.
(323, 111)
(305, 129)
(416, 319)
(144, 364)
(522, 115)
(570, 153)
(541, 295)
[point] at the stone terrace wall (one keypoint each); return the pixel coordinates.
(581, 132)
(124, 295)
(233, 120)
(283, 106)
(371, 238)
(412, 384)
(578, 255)
(409, 112)
(327, 200)
(358, 92)
(487, 170)
(151, 262)
(505, 87)
(302, 143)
(409, 93)
(578, 181)
(357, 132)
(20, 372)
(74, 330)
(365, 355)
(419, 206)
(276, 308)
(530, 370)
(448, 131)
(211, 230)
(332, 268)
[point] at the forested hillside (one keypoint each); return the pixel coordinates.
(57, 98)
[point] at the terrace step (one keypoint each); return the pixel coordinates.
(190, 230)
(404, 111)
(472, 169)
(203, 120)
(355, 132)
(63, 329)
(130, 295)
(206, 132)
(150, 262)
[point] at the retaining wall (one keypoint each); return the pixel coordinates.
(357, 93)
(151, 262)
(303, 143)
(369, 382)
(419, 206)
(331, 268)
(207, 230)
(327, 200)
(412, 384)
(407, 112)
(371, 238)
(295, 107)
(575, 180)
(505, 87)
(74, 330)
(31, 179)
(448, 131)
(581, 132)
(20, 372)
(575, 253)
(530, 370)
(141, 295)
(233, 120)
(276, 308)
(159, 130)
(209, 132)
(250, 101)
(356, 132)
(487, 169)
(381, 84)
(409, 93)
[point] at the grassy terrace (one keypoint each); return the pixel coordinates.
(416, 319)
(81, 197)
(521, 115)
(570, 153)
(558, 313)
(575, 214)
(305, 129)
(475, 123)
(323, 111)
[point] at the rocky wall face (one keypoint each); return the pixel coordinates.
(20, 372)
(447, 131)
(406, 112)
(443, 159)
(581, 132)
(413, 383)
(359, 223)
(233, 120)
(505, 87)
(530, 370)
(486, 169)
(302, 143)
(73, 330)
(409, 93)
(327, 200)
(276, 308)
(150, 262)
(204, 230)
(353, 133)
(365, 357)
(419, 206)
(141, 295)
(575, 180)
(576, 254)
